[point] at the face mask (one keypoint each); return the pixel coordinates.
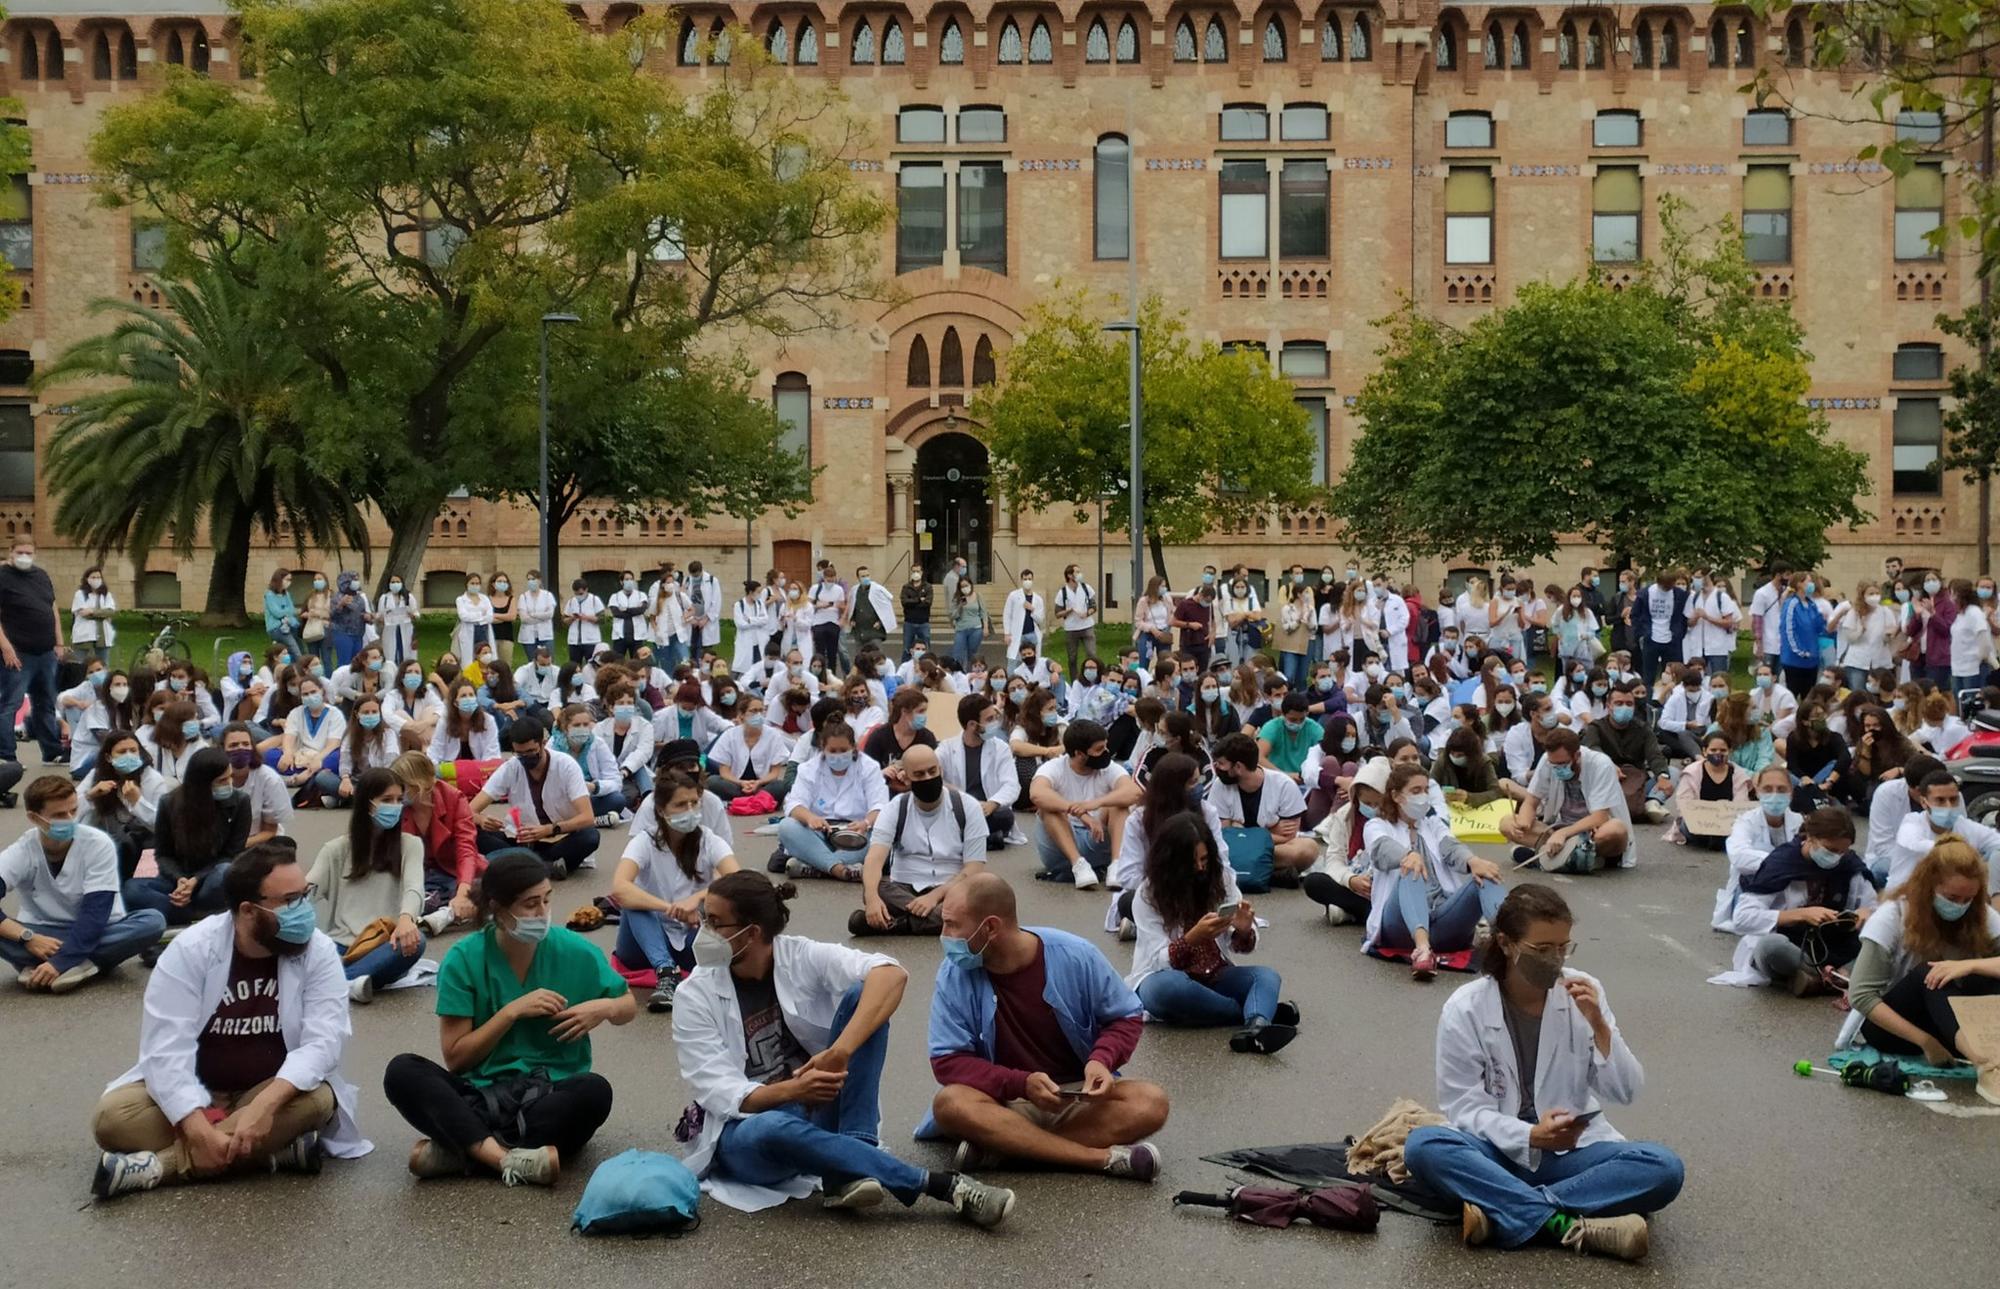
(1873, 598)
(176, 684)
(313, 703)
(1294, 726)
(534, 584)
(685, 822)
(413, 681)
(242, 758)
(1099, 761)
(1090, 674)
(579, 739)
(626, 711)
(502, 587)
(1945, 816)
(127, 762)
(388, 814)
(1131, 691)
(1539, 687)
(98, 678)
(839, 762)
(1694, 584)
(1775, 803)
(1298, 579)
(1367, 811)
(529, 930)
(1716, 758)
(1985, 592)
(60, 831)
(369, 720)
(1812, 587)
(1416, 807)
(711, 949)
(1539, 970)
(1930, 584)
(1208, 579)
(1028, 661)
(1549, 719)
(1324, 684)
(316, 671)
(927, 791)
(1210, 695)
(1576, 601)
(1348, 744)
(1622, 715)
(992, 729)
(374, 664)
(1578, 677)
(1564, 773)
(1949, 910)
(1505, 709)
(227, 792)
(319, 583)
(296, 923)
(1018, 695)
(1600, 690)
(396, 588)
(1823, 857)
(629, 584)
(1719, 693)
(1027, 583)
(997, 683)
(1326, 575)
(1903, 594)
(468, 704)
(1764, 682)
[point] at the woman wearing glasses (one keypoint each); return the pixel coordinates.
(1526, 1057)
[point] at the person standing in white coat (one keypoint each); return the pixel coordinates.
(396, 619)
(535, 610)
(754, 624)
(1395, 622)
(782, 1041)
(1526, 1057)
(1712, 617)
(1025, 616)
(630, 619)
(246, 1013)
(475, 620)
(704, 592)
(669, 605)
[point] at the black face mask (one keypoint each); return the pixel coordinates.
(1228, 777)
(530, 760)
(927, 791)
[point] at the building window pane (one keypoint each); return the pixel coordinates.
(1767, 215)
(1245, 124)
(1468, 219)
(1316, 426)
(17, 452)
(1919, 362)
(1304, 200)
(1010, 43)
(1128, 42)
(808, 44)
(1184, 42)
(1616, 200)
(920, 125)
(1040, 48)
(1642, 45)
(1919, 437)
(1214, 43)
(1303, 122)
(1097, 43)
(17, 223)
(892, 43)
(1114, 198)
(441, 589)
(1442, 51)
(982, 125)
(1670, 46)
(17, 367)
(1767, 127)
(1517, 47)
(1358, 45)
(1303, 358)
(951, 46)
(1274, 42)
(1329, 39)
(1615, 130)
(982, 215)
(1919, 211)
(158, 590)
(1245, 210)
(779, 43)
(149, 246)
(792, 399)
(1919, 127)
(1468, 130)
(862, 51)
(919, 217)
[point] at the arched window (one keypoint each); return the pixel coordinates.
(1593, 46)
(1184, 42)
(808, 44)
(982, 362)
(718, 44)
(1443, 54)
(1491, 54)
(176, 52)
(1642, 45)
(951, 45)
(791, 399)
(690, 45)
(53, 60)
(951, 360)
(1041, 49)
(919, 374)
(1744, 55)
(1274, 42)
(100, 58)
(1128, 41)
(198, 53)
(861, 51)
(1517, 47)
(1329, 39)
(1010, 43)
(1795, 43)
(779, 42)
(1215, 43)
(1112, 208)
(1670, 44)
(892, 43)
(1358, 47)
(1566, 45)
(31, 57)
(1097, 43)
(1718, 44)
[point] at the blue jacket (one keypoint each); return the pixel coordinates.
(1800, 625)
(1642, 616)
(1084, 990)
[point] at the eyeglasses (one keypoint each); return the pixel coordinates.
(303, 897)
(1567, 949)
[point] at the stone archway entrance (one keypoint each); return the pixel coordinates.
(954, 506)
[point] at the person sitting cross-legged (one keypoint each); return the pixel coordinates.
(660, 881)
(244, 1025)
(1572, 798)
(1024, 1078)
(1250, 795)
(548, 795)
(924, 841)
(979, 761)
(1082, 798)
(72, 922)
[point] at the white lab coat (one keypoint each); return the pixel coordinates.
(475, 622)
(1706, 639)
(1150, 954)
(810, 978)
(670, 608)
(629, 630)
(1915, 837)
(1014, 615)
(705, 600)
(1396, 631)
(1601, 791)
(1479, 1084)
(1757, 918)
(997, 776)
(186, 987)
(1750, 840)
(536, 613)
(1887, 809)
(883, 603)
(753, 630)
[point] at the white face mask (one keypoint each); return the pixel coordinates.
(711, 949)
(24, 562)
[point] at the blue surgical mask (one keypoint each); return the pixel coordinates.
(1294, 726)
(1949, 910)
(1367, 811)
(412, 681)
(127, 762)
(1823, 857)
(1564, 772)
(1348, 744)
(313, 702)
(1764, 682)
(1775, 803)
(192, 729)
(839, 762)
(227, 792)
(1812, 588)
(374, 664)
(468, 703)
(920, 720)
(98, 678)
(369, 720)
(626, 711)
(1623, 715)
(1985, 592)
(297, 922)
(388, 814)
(579, 740)
(1946, 816)
(1324, 684)
(960, 951)
(1090, 674)
(529, 930)
(1550, 719)
(60, 830)
(757, 722)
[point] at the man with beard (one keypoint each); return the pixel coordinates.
(239, 1049)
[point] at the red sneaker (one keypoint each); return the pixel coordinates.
(1423, 965)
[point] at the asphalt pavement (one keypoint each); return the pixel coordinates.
(1787, 1177)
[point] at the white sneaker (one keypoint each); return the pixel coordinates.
(1015, 837)
(1656, 811)
(1127, 929)
(764, 830)
(125, 1174)
(75, 976)
(361, 989)
(436, 924)
(1084, 875)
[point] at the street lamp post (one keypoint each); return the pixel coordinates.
(542, 493)
(1138, 518)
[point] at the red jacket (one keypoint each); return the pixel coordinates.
(450, 845)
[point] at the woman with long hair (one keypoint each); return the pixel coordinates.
(1173, 787)
(368, 747)
(1866, 634)
(172, 735)
(1192, 923)
(1880, 753)
(1750, 741)
(660, 882)
(1331, 767)
(468, 731)
(1430, 891)
(311, 740)
(198, 828)
(372, 875)
(91, 610)
(1710, 777)
(412, 707)
(121, 797)
(1152, 619)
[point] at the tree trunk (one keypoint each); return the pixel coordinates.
(1159, 556)
(229, 572)
(409, 537)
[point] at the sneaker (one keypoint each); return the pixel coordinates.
(75, 976)
(1140, 1162)
(430, 1159)
(608, 820)
(799, 870)
(969, 1157)
(436, 923)
(1473, 1227)
(329, 802)
(1127, 929)
(1482, 936)
(1656, 811)
(979, 1204)
(1988, 1086)
(621, 817)
(1423, 965)
(862, 1192)
(1286, 1014)
(764, 830)
(126, 1174)
(361, 990)
(1524, 855)
(301, 1155)
(1084, 875)
(558, 871)
(531, 1166)
(662, 997)
(778, 862)
(1015, 837)
(858, 923)
(1625, 1238)
(1263, 1039)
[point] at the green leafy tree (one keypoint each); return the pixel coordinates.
(418, 181)
(1665, 421)
(189, 429)
(1224, 439)
(1972, 425)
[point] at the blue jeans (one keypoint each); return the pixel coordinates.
(1451, 924)
(913, 632)
(642, 939)
(1237, 996)
(1293, 665)
(611, 802)
(35, 677)
(153, 893)
(1716, 664)
(289, 637)
(965, 644)
(1608, 1179)
(383, 963)
(345, 646)
(806, 845)
(1096, 853)
(1976, 680)
(837, 1142)
(123, 938)
(1856, 677)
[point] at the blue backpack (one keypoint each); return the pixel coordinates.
(1252, 855)
(640, 1192)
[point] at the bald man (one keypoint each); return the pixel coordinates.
(1025, 1078)
(926, 840)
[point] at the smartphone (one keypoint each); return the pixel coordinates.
(1583, 1120)
(1073, 1094)
(1227, 912)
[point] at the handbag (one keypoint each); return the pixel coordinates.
(1252, 854)
(372, 937)
(639, 1192)
(314, 629)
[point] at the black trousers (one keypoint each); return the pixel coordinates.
(435, 1102)
(1928, 1009)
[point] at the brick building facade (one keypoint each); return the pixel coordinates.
(1283, 175)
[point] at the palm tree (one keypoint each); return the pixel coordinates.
(198, 428)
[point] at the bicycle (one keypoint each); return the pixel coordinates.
(164, 648)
